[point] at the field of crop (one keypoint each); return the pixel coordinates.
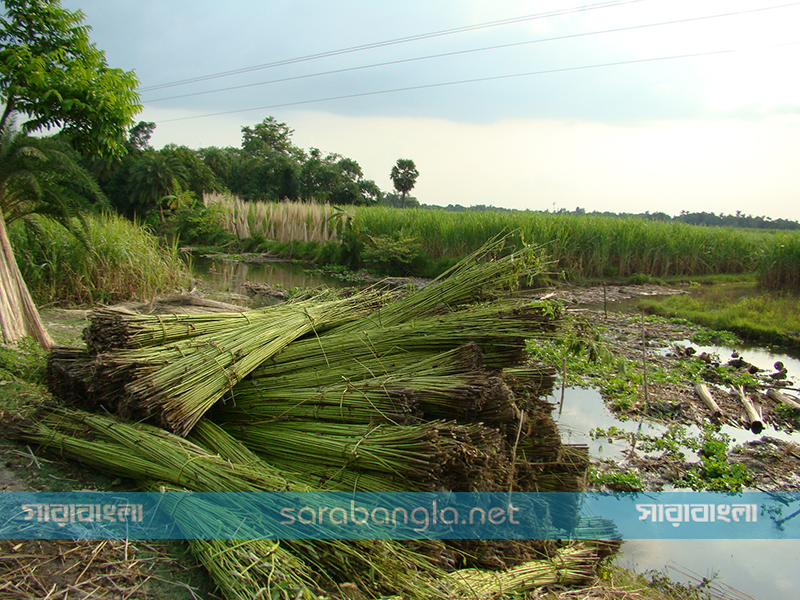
(581, 246)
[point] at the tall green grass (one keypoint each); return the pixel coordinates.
(583, 247)
(121, 261)
(780, 268)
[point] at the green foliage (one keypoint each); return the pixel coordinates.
(393, 255)
(714, 472)
(194, 223)
(42, 176)
(25, 361)
(116, 261)
(711, 337)
(270, 167)
(583, 359)
(623, 481)
(152, 180)
(51, 72)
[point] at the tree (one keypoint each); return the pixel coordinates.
(404, 176)
(270, 137)
(153, 179)
(51, 73)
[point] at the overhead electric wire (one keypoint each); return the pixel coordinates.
(482, 79)
(474, 50)
(403, 40)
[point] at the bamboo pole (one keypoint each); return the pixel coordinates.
(705, 396)
(756, 424)
(782, 398)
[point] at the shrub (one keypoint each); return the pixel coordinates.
(393, 255)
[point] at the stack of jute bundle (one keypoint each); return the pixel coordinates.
(384, 390)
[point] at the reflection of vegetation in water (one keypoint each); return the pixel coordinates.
(232, 273)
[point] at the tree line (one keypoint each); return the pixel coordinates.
(268, 166)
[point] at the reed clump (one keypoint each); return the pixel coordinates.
(282, 221)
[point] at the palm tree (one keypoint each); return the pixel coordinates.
(404, 176)
(37, 175)
(153, 180)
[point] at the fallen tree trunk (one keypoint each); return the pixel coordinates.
(783, 398)
(705, 396)
(756, 423)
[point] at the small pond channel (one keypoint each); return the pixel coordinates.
(231, 275)
(760, 569)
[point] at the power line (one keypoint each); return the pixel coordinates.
(480, 79)
(403, 40)
(474, 50)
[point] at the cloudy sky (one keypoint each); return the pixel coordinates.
(618, 105)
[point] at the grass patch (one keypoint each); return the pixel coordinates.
(117, 261)
(753, 314)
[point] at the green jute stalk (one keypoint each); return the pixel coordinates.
(500, 329)
(249, 568)
(181, 389)
(571, 566)
(378, 567)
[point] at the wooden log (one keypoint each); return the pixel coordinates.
(756, 424)
(705, 396)
(783, 398)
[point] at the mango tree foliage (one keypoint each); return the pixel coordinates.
(52, 73)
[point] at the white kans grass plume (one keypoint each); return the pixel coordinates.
(282, 221)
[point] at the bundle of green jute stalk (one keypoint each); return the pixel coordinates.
(571, 566)
(483, 275)
(147, 454)
(446, 385)
(141, 451)
(376, 566)
(180, 381)
(425, 457)
(500, 329)
(248, 568)
(114, 328)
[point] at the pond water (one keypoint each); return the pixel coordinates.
(230, 275)
(761, 569)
